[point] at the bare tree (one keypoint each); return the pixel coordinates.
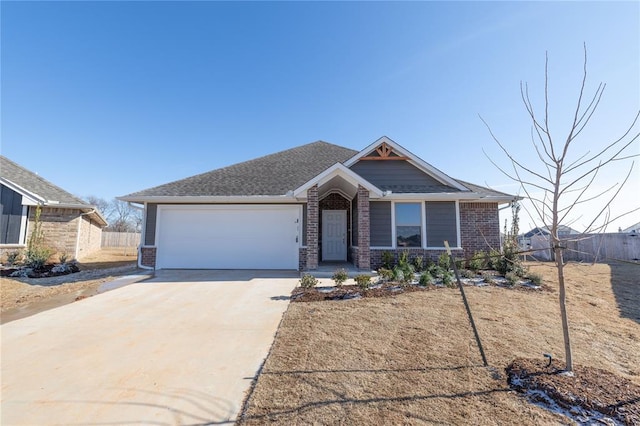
(122, 217)
(564, 179)
(100, 203)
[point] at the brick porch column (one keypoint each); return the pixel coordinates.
(364, 254)
(312, 227)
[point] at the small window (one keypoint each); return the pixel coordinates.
(408, 225)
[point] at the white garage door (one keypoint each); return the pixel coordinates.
(228, 237)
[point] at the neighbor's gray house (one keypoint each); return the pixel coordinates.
(316, 203)
(69, 225)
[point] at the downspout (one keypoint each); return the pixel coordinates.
(144, 227)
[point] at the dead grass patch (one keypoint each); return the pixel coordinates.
(412, 359)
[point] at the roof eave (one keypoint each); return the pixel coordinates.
(341, 170)
(209, 199)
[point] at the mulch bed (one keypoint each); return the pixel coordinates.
(347, 292)
(590, 395)
(43, 272)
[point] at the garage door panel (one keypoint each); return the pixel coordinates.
(233, 237)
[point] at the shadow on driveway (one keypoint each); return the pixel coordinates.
(216, 275)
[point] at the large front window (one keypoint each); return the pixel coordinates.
(408, 225)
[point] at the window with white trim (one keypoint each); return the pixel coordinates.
(408, 224)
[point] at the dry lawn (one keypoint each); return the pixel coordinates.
(26, 296)
(412, 359)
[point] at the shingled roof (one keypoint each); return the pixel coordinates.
(274, 174)
(35, 184)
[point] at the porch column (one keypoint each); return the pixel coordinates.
(364, 254)
(312, 227)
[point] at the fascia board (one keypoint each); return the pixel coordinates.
(449, 196)
(338, 169)
(249, 199)
(32, 199)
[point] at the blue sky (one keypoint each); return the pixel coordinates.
(108, 98)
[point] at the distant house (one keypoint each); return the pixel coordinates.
(524, 240)
(69, 224)
(633, 229)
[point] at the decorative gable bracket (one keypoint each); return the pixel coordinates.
(384, 152)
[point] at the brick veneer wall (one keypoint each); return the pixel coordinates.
(363, 259)
(312, 227)
(148, 256)
(59, 228)
(479, 227)
(334, 202)
(302, 258)
(90, 239)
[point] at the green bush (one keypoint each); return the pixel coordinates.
(398, 274)
(388, 259)
(403, 258)
(488, 278)
(426, 279)
(494, 258)
(512, 278)
(478, 261)
(418, 263)
(36, 257)
(340, 276)
(385, 274)
(535, 278)
(443, 261)
(308, 281)
(14, 257)
(465, 273)
(363, 281)
(448, 279)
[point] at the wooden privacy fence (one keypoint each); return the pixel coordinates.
(591, 247)
(120, 239)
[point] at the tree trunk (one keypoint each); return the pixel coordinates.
(563, 308)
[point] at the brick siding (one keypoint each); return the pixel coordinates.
(302, 258)
(312, 227)
(148, 256)
(479, 227)
(363, 257)
(59, 228)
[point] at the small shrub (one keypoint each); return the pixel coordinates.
(63, 257)
(385, 274)
(535, 278)
(512, 278)
(448, 279)
(308, 281)
(14, 257)
(443, 261)
(425, 280)
(466, 273)
(363, 281)
(488, 278)
(340, 276)
(403, 259)
(478, 261)
(398, 274)
(37, 257)
(494, 258)
(418, 263)
(388, 259)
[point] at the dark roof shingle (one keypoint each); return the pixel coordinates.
(35, 184)
(273, 174)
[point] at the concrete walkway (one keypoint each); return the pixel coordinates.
(181, 348)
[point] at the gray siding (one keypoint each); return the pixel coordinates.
(150, 231)
(398, 176)
(441, 223)
(380, 217)
(11, 213)
(354, 221)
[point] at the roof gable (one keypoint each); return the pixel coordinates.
(385, 149)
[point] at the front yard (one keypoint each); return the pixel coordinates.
(412, 359)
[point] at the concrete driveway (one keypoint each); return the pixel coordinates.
(181, 348)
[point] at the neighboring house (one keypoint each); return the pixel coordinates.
(633, 229)
(316, 203)
(543, 232)
(70, 225)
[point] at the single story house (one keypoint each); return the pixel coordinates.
(69, 225)
(316, 203)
